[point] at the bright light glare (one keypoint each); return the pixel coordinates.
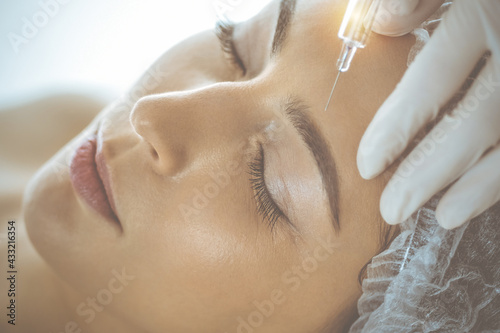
(105, 44)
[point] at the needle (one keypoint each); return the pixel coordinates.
(331, 94)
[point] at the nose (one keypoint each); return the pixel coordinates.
(178, 126)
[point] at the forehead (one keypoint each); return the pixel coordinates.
(312, 29)
(322, 14)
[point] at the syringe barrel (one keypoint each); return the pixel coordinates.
(358, 21)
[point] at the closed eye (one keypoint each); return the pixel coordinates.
(225, 32)
(266, 206)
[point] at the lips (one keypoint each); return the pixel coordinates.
(90, 179)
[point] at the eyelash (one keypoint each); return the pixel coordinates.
(266, 207)
(224, 32)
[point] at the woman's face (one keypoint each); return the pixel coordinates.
(239, 206)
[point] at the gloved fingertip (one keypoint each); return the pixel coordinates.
(449, 218)
(390, 215)
(369, 160)
(400, 7)
(365, 170)
(391, 207)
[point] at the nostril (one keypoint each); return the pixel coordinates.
(168, 161)
(162, 144)
(154, 153)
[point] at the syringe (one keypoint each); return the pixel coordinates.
(354, 32)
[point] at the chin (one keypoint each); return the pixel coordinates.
(47, 205)
(47, 200)
(65, 232)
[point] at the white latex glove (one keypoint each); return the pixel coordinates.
(399, 17)
(464, 146)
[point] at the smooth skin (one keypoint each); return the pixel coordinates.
(212, 268)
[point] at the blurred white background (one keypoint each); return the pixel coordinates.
(94, 45)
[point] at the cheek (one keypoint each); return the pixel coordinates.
(206, 235)
(212, 265)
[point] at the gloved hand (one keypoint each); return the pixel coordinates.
(464, 145)
(399, 17)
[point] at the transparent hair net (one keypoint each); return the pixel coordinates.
(434, 280)
(431, 279)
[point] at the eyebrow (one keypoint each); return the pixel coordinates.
(298, 114)
(287, 9)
